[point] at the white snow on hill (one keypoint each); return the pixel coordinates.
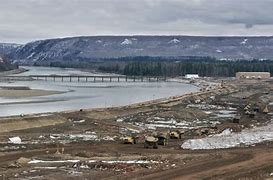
(174, 41)
(244, 41)
(126, 42)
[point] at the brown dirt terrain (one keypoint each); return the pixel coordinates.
(87, 144)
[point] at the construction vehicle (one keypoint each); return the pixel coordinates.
(247, 112)
(130, 139)
(265, 111)
(151, 141)
(162, 139)
(176, 134)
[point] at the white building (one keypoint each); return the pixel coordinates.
(191, 76)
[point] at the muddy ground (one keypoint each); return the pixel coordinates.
(88, 144)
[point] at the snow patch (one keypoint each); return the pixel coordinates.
(60, 161)
(126, 42)
(120, 120)
(35, 161)
(174, 41)
(15, 140)
(244, 41)
(79, 121)
(228, 139)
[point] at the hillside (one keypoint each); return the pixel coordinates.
(5, 65)
(6, 48)
(108, 47)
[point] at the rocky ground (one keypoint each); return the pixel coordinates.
(88, 144)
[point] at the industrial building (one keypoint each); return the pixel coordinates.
(252, 75)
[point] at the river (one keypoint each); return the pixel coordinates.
(83, 95)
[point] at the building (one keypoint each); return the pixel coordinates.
(191, 76)
(252, 75)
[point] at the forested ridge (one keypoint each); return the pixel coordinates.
(171, 68)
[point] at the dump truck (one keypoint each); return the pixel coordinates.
(176, 134)
(265, 111)
(129, 139)
(151, 141)
(162, 139)
(247, 112)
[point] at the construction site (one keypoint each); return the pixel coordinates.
(223, 131)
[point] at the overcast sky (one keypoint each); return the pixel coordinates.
(28, 20)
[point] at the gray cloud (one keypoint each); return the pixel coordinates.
(27, 20)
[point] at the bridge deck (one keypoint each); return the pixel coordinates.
(91, 78)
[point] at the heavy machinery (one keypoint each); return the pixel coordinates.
(162, 139)
(130, 139)
(265, 111)
(176, 134)
(151, 141)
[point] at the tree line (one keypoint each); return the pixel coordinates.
(204, 67)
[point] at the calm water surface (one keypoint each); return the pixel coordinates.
(84, 94)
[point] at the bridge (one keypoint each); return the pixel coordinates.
(82, 78)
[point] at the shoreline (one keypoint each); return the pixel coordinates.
(12, 72)
(163, 102)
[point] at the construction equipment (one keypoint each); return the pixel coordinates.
(151, 141)
(129, 139)
(176, 134)
(162, 139)
(265, 111)
(247, 112)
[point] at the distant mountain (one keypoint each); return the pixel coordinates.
(108, 47)
(6, 48)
